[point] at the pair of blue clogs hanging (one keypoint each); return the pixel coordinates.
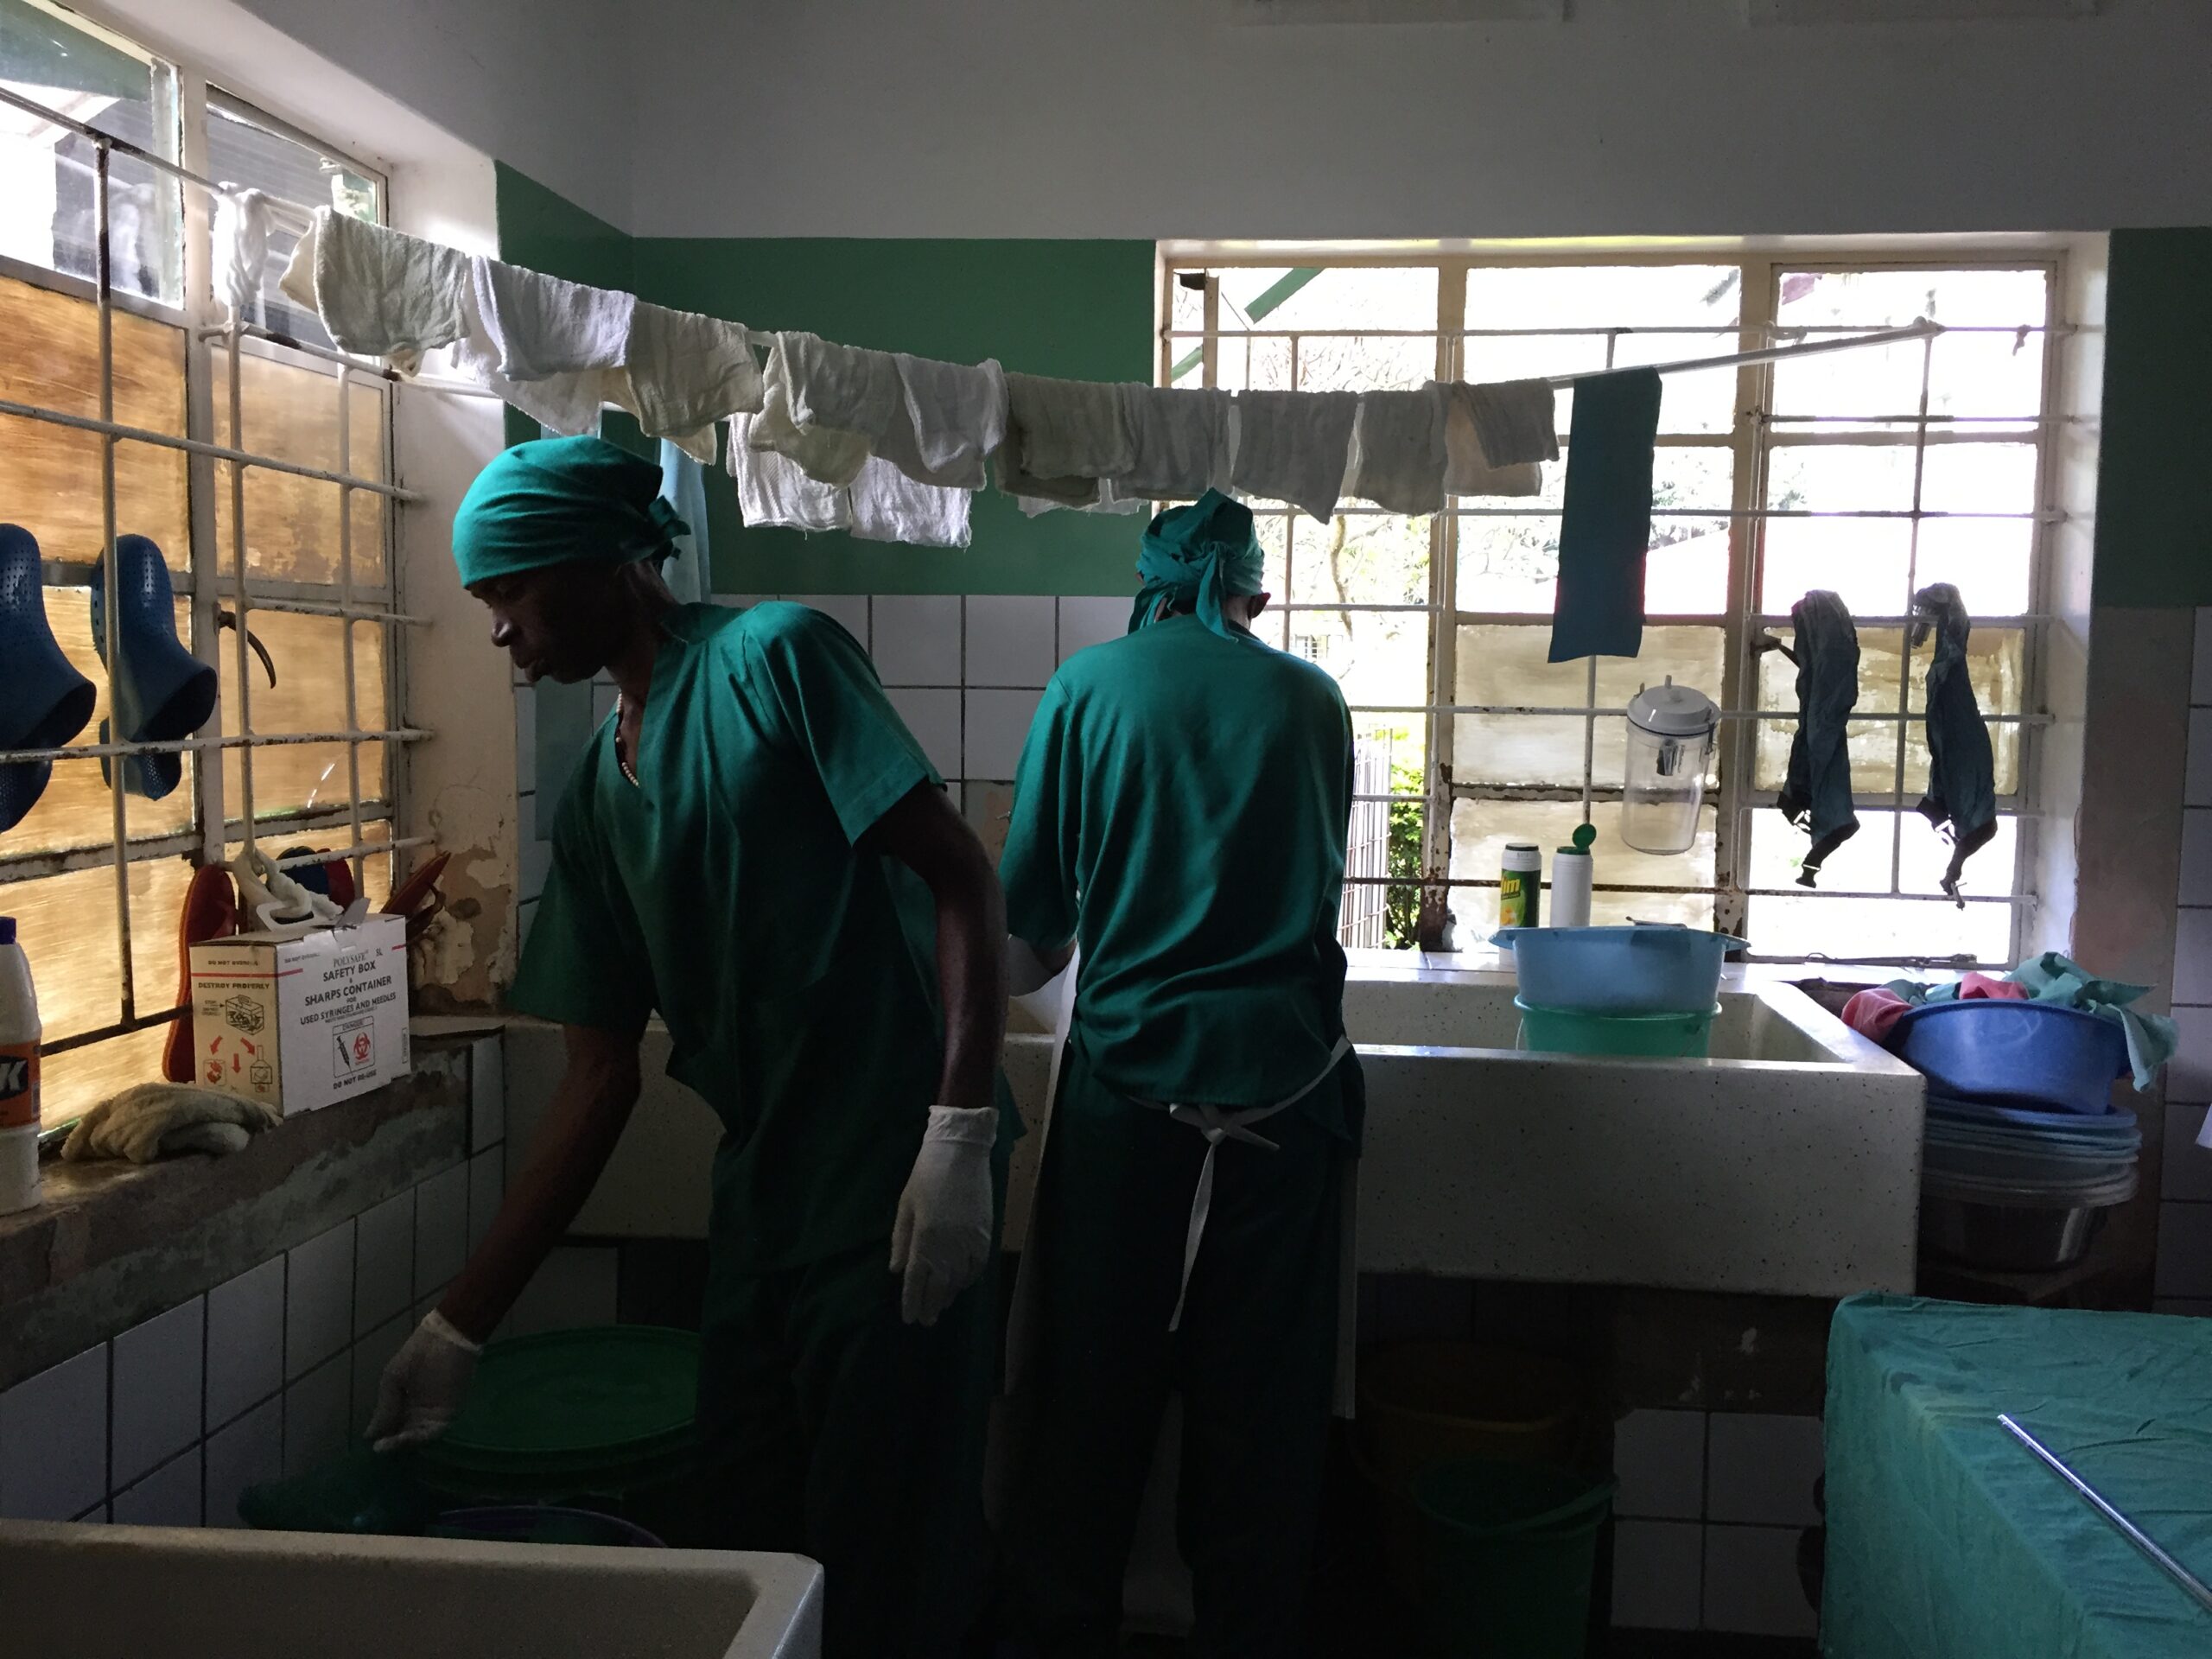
(159, 692)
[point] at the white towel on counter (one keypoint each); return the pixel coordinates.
(1397, 451)
(1183, 442)
(1467, 470)
(1515, 421)
(687, 372)
(881, 504)
(1069, 429)
(951, 419)
(1294, 446)
(381, 293)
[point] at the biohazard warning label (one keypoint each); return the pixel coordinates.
(355, 1048)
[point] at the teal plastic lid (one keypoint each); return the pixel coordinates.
(603, 1392)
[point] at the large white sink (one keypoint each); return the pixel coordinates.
(102, 1593)
(1787, 1163)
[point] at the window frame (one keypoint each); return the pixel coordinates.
(1752, 441)
(218, 449)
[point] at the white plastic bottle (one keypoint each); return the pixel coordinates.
(1571, 874)
(20, 1032)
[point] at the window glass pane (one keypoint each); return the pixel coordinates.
(1380, 658)
(310, 695)
(243, 148)
(1352, 296)
(50, 475)
(1979, 478)
(65, 924)
(1989, 560)
(1365, 363)
(291, 412)
(1604, 297)
(1873, 382)
(1865, 561)
(1274, 529)
(1508, 564)
(48, 183)
(1242, 364)
(1986, 374)
(1502, 663)
(71, 1084)
(1480, 831)
(1359, 559)
(76, 809)
(1842, 929)
(1890, 298)
(1702, 401)
(1840, 478)
(1187, 306)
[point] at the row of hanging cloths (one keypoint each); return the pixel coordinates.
(887, 446)
(1961, 799)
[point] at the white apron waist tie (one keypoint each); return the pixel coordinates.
(1218, 1125)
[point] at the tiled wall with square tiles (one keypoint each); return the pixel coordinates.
(1709, 1513)
(269, 1374)
(2185, 1270)
(964, 674)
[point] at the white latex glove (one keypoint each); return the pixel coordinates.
(942, 1240)
(422, 1388)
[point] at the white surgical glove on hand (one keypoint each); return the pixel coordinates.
(422, 1388)
(942, 1240)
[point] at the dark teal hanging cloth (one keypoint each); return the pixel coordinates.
(1605, 531)
(1817, 791)
(1962, 770)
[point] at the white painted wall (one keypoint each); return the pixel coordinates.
(1161, 119)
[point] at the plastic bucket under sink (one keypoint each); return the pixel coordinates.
(1633, 1036)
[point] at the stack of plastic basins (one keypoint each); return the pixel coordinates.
(1648, 992)
(2024, 1151)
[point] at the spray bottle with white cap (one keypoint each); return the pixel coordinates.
(1570, 875)
(20, 1032)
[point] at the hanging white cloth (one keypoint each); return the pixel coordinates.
(245, 220)
(1515, 421)
(773, 490)
(952, 418)
(881, 504)
(1068, 430)
(1397, 451)
(1294, 446)
(1467, 470)
(686, 373)
(380, 293)
(827, 454)
(1183, 442)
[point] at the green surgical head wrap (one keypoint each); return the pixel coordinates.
(1195, 556)
(561, 501)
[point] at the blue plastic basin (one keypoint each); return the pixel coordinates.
(2039, 1053)
(1618, 970)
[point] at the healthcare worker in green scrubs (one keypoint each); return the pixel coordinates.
(750, 848)
(1181, 812)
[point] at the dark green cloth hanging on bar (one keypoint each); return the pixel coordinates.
(1605, 531)
(1816, 790)
(1962, 770)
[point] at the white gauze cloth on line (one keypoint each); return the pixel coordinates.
(1294, 446)
(829, 453)
(951, 417)
(245, 220)
(880, 504)
(1397, 451)
(381, 293)
(1467, 471)
(1515, 421)
(687, 372)
(1185, 443)
(1069, 429)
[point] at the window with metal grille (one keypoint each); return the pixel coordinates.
(255, 458)
(1871, 472)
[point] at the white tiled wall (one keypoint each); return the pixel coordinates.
(2185, 1270)
(1710, 1508)
(965, 673)
(268, 1373)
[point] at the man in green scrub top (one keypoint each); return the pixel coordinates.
(1181, 813)
(742, 851)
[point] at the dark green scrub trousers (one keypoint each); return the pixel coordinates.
(1255, 1360)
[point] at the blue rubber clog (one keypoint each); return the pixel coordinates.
(159, 690)
(43, 701)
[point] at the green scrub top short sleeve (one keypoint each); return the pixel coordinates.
(833, 707)
(586, 963)
(1038, 868)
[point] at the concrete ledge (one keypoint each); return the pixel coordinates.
(115, 1244)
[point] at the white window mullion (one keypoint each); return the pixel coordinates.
(199, 470)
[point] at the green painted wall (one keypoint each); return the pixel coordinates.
(2154, 535)
(1083, 310)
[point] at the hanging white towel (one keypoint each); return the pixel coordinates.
(773, 490)
(1294, 446)
(245, 220)
(828, 453)
(565, 404)
(1467, 471)
(841, 387)
(544, 327)
(1183, 442)
(687, 372)
(1397, 451)
(1070, 429)
(889, 506)
(952, 418)
(1515, 421)
(381, 293)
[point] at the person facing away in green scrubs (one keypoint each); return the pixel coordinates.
(750, 848)
(1181, 812)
